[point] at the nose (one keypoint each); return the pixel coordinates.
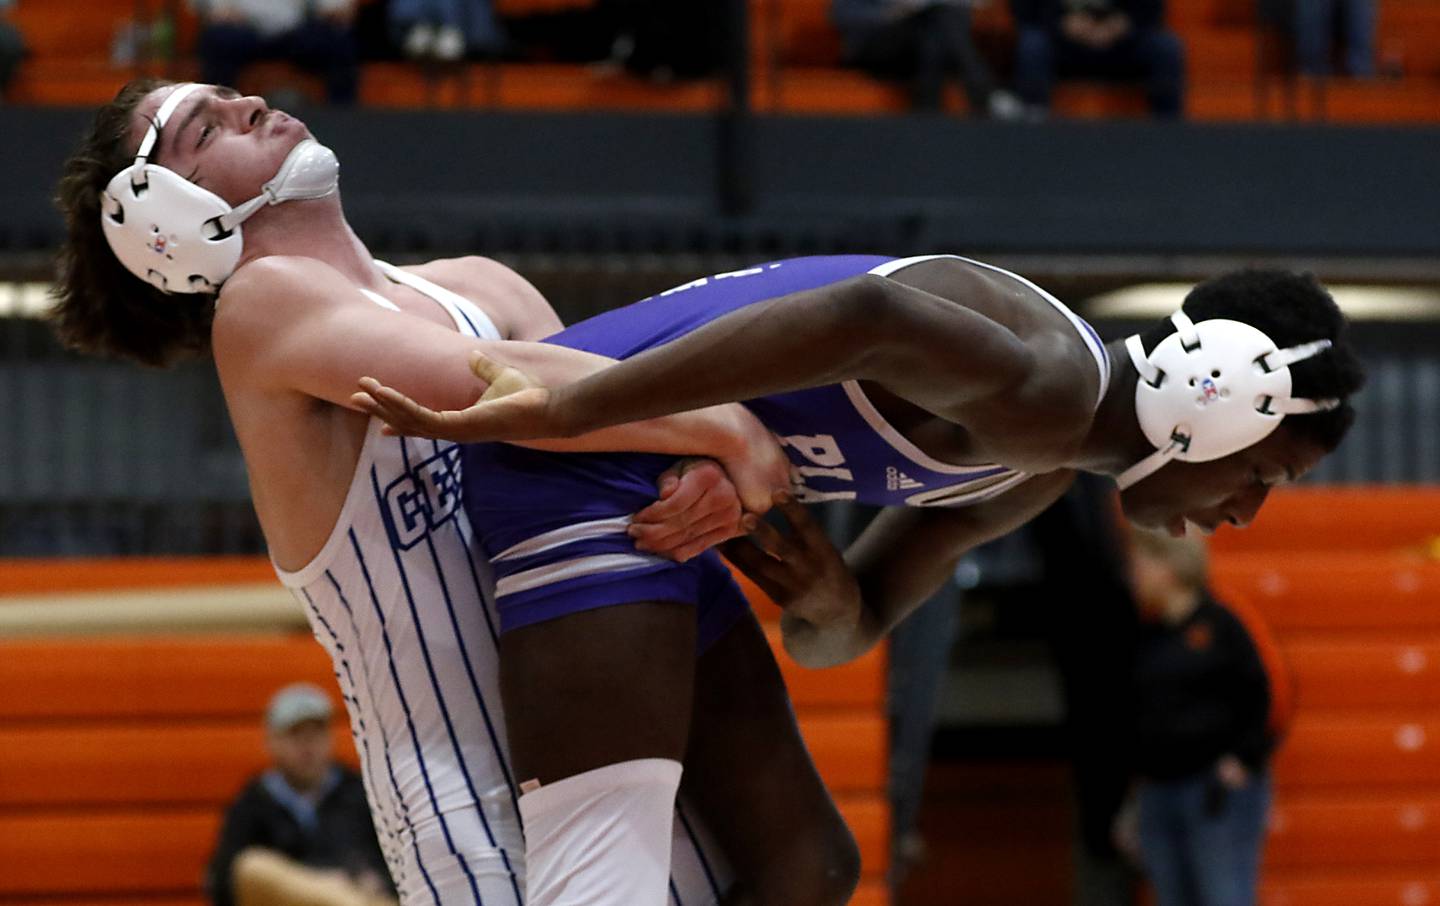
(248, 111)
(1245, 505)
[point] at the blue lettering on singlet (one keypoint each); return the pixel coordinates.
(424, 498)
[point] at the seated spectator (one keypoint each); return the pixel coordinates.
(923, 41)
(300, 833)
(12, 47)
(445, 29)
(1206, 723)
(1316, 26)
(1112, 39)
(316, 35)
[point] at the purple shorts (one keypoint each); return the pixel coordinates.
(554, 529)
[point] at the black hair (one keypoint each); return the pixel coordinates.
(1291, 309)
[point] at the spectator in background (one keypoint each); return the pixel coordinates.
(316, 35)
(12, 47)
(445, 29)
(1112, 39)
(1209, 699)
(1315, 27)
(924, 41)
(300, 833)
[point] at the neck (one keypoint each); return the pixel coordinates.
(1115, 442)
(310, 229)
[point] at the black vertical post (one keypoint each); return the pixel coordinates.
(734, 132)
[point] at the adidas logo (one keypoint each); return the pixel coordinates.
(896, 480)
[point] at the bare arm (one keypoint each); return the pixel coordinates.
(295, 325)
(866, 328)
(902, 558)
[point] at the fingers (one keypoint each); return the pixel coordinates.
(770, 574)
(687, 489)
(801, 521)
(665, 538)
(770, 540)
(485, 368)
(702, 544)
(401, 414)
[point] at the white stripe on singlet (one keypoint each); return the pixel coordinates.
(401, 597)
(960, 494)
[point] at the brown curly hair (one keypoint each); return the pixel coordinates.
(101, 308)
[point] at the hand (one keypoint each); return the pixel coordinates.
(1125, 830)
(514, 406)
(761, 470)
(698, 508)
(1232, 772)
(802, 572)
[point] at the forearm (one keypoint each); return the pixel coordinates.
(721, 432)
(904, 556)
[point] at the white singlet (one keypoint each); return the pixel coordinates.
(401, 598)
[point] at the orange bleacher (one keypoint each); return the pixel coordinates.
(117, 754)
(795, 68)
(1348, 580)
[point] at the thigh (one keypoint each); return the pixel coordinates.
(598, 687)
(750, 776)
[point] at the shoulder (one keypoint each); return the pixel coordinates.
(269, 292)
(267, 298)
(518, 309)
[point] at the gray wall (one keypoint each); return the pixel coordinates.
(613, 183)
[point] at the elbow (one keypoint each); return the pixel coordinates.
(869, 315)
(810, 658)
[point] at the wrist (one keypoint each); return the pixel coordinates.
(564, 418)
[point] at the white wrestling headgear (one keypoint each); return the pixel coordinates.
(1212, 389)
(185, 239)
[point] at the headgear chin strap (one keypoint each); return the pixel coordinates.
(182, 238)
(1212, 389)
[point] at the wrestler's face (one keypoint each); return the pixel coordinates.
(1231, 489)
(229, 144)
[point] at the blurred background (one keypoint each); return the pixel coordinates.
(1113, 151)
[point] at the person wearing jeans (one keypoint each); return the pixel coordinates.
(445, 29)
(318, 37)
(1210, 700)
(1315, 27)
(1108, 39)
(924, 42)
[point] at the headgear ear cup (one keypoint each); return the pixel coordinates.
(182, 238)
(1212, 389)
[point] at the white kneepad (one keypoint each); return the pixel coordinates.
(602, 838)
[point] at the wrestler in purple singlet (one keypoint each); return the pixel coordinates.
(554, 525)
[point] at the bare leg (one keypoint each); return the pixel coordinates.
(598, 709)
(748, 772)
